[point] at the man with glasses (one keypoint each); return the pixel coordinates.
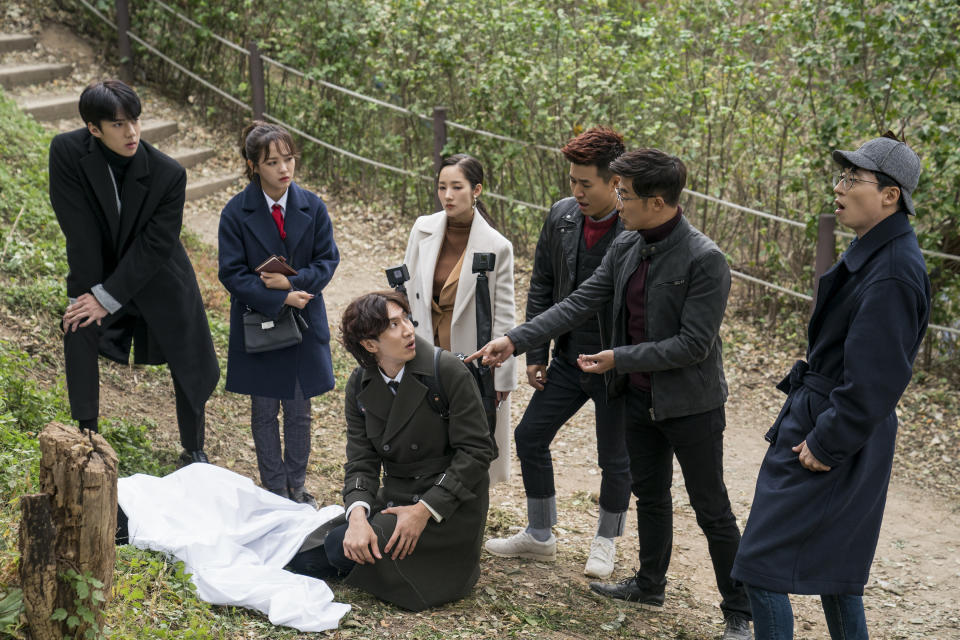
(668, 284)
(820, 494)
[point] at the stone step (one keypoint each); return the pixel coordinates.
(153, 131)
(22, 74)
(16, 42)
(209, 186)
(50, 108)
(191, 157)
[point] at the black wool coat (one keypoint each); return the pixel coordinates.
(421, 456)
(136, 255)
(816, 532)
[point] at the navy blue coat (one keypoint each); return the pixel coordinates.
(248, 236)
(816, 533)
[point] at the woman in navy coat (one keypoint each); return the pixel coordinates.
(274, 216)
(816, 514)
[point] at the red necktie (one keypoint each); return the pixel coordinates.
(277, 212)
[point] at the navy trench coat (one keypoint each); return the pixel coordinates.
(816, 532)
(248, 236)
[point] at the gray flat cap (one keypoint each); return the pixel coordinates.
(889, 156)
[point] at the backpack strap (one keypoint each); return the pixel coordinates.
(436, 395)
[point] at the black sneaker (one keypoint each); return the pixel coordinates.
(738, 628)
(301, 496)
(189, 457)
(630, 591)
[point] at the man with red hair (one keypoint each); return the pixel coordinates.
(573, 241)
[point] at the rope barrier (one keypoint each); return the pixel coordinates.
(215, 89)
(97, 13)
(381, 165)
(739, 207)
(200, 26)
(770, 285)
(349, 92)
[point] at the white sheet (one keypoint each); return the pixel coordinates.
(235, 538)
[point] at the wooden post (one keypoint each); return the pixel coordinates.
(258, 95)
(123, 41)
(826, 250)
(439, 142)
(70, 525)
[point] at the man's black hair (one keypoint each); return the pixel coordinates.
(108, 100)
(653, 172)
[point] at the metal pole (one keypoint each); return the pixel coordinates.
(826, 249)
(123, 41)
(256, 81)
(439, 142)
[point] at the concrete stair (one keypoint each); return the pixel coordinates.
(153, 131)
(50, 108)
(197, 189)
(16, 42)
(191, 157)
(23, 74)
(54, 107)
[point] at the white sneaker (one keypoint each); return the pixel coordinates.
(602, 555)
(523, 545)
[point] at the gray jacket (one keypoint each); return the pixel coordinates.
(686, 289)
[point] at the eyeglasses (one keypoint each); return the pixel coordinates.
(849, 181)
(621, 199)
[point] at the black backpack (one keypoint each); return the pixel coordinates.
(437, 396)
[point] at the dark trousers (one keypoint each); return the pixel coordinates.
(82, 363)
(286, 470)
(697, 441)
(566, 390)
(326, 561)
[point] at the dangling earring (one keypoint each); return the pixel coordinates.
(474, 202)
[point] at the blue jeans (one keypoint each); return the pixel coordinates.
(567, 390)
(280, 471)
(773, 615)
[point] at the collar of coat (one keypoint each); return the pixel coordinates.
(396, 411)
(296, 219)
(646, 250)
(861, 249)
(134, 189)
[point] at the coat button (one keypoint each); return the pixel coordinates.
(414, 447)
(416, 498)
(418, 296)
(386, 447)
(390, 505)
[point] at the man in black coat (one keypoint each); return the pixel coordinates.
(816, 513)
(667, 284)
(575, 236)
(119, 203)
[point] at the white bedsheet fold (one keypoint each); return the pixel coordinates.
(235, 538)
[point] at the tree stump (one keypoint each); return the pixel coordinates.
(70, 525)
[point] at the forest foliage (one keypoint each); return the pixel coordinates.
(752, 95)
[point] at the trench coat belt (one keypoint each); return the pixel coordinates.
(800, 376)
(427, 467)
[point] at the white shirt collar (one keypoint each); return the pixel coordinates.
(282, 202)
(388, 379)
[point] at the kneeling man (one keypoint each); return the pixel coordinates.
(413, 536)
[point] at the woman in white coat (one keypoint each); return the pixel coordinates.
(442, 289)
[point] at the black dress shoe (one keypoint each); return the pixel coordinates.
(301, 496)
(630, 591)
(189, 457)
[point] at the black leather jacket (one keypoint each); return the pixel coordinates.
(686, 290)
(555, 269)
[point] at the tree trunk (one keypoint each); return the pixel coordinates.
(71, 525)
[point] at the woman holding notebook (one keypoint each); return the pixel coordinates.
(277, 253)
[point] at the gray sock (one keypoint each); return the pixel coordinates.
(541, 514)
(610, 524)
